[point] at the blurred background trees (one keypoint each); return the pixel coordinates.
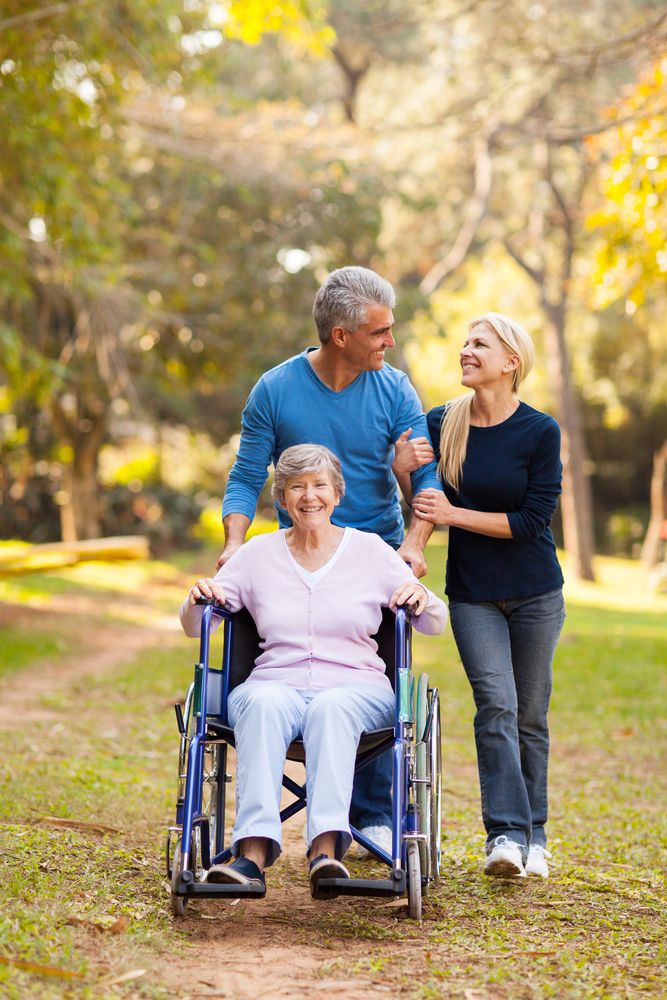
(177, 177)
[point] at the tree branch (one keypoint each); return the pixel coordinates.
(535, 274)
(353, 76)
(610, 44)
(36, 15)
(473, 216)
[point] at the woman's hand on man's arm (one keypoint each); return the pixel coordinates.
(433, 506)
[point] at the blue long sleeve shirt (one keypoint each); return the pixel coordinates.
(513, 468)
(291, 405)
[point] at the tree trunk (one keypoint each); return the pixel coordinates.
(80, 507)
(576, 503)
(80, 514)
(655, 533)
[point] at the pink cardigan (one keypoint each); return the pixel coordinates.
(317, 635)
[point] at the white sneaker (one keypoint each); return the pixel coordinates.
(537, 861)
(381, 835)
(505, 858)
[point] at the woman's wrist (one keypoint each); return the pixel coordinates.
(455, 517)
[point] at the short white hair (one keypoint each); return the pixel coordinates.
(303, 458)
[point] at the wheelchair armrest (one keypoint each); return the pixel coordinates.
(221, 610)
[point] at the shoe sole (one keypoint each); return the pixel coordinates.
(233, 878)
(503, 868)
(327, 869)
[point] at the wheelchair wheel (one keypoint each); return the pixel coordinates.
(435, 771)
(213, 800)
(423, 794)
(414, 881)
(178, 903)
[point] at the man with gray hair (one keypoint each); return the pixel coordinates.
(342, 395)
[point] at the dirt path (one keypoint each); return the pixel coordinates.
(281, 947)
(285, 946)
(25, 696)
(291, 946)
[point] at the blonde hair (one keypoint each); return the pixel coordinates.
(455, 429)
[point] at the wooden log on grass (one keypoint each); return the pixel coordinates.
(56, 555)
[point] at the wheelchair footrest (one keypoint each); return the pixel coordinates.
(329, 888)
(210, 890)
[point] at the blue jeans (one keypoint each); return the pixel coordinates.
(371, 792)
(507, 650)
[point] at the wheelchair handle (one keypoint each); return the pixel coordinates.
(226, 607)
(408, 609)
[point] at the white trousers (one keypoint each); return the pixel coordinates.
(267, 716)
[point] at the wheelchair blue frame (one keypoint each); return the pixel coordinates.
(208, 708)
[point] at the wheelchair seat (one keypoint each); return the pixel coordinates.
(246, 650)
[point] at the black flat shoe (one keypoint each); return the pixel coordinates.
(325, 867)
(240, 872)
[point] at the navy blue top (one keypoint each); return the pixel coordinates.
(291, 405)
(513, 468)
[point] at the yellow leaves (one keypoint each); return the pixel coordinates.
(631, 216)
(175, 368)
(615, 415)
(301, 22)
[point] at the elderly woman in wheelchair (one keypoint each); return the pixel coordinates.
(316, 592)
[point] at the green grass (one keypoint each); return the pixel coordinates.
(21, 647)
(112, 766)
(594, 930)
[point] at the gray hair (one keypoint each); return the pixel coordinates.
(345, 296)
(303, 458)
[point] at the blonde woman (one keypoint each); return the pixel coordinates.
(499, 462)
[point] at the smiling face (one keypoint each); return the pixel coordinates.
(364, 348)
(484, 359)
(310, 499)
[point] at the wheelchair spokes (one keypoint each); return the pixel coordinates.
(213, 802)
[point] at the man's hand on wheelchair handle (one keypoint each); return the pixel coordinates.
(412, 549)
(226, 554)
(414, 557)
(412, 594)
(209, 590)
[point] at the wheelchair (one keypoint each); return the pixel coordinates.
(197, 839)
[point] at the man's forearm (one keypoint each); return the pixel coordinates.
(405, 482)
(236, 527)
(412, 549)
(419, 532)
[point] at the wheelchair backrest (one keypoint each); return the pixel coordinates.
(246, 646)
